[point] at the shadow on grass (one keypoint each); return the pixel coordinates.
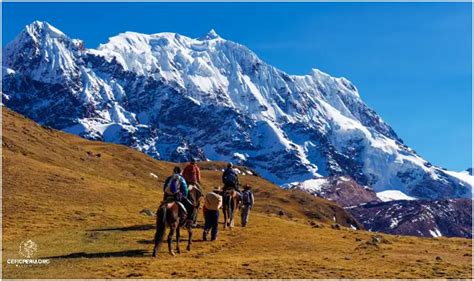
(146, 241)
(129, 253)
(183, 240)
(127, 228)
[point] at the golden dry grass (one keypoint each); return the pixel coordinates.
(83, 211)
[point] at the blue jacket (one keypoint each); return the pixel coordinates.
(183, 186)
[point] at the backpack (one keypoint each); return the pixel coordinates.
(174, 185)
(246, 198)
(230, 177)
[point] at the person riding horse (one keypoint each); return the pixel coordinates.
(231, 194)
(176, 189)
(230, 179)
(175, 211)
(192, 175)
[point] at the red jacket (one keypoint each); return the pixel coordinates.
(192, 174)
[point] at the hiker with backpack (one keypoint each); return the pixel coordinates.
(176, 189)
(247, 204)
(230, 178)
(212, 204)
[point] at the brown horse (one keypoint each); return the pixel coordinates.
(169, 213)
(231, 202)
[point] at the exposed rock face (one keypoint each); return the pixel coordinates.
(343, 190)
(451, 218)
(174, 97)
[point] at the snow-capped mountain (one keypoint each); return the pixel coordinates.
(175, 97)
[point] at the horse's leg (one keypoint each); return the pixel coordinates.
(228, 211)
(232, 210)
(190, 235)
(195, 215)
(236, 207)
(178, 239)
(170, 238)
(224, 210)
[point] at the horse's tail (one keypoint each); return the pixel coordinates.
(161, 223)
(160, 228)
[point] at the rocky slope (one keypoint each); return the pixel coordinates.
(398, 213)
(452, 217)
(342, 190)
(174, 97)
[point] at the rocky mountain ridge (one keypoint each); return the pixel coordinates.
(174, 98)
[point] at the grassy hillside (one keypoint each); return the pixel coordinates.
(80, 201)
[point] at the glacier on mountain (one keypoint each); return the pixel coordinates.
(175, 97)
(392, 195)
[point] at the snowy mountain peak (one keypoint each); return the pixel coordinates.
(174, 97)
(42, 28)
(44, 53)
(35, 35)
(212, 34)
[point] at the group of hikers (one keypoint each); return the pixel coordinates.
(177, 188)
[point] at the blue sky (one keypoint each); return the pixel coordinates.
(410, 61)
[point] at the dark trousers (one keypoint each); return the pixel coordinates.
(188, 204)
(245, 214)
(211, 219)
